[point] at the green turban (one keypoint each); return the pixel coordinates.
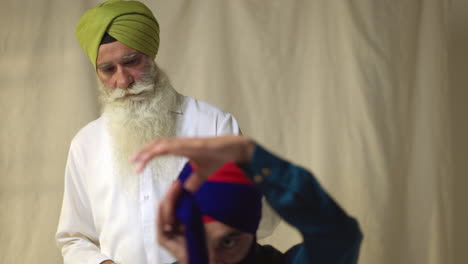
(130, 22)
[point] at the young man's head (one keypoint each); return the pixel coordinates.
(230, 210)
(226, 244)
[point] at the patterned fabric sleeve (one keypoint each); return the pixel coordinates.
(329, 234)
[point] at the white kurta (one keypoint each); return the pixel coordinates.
(98, 221)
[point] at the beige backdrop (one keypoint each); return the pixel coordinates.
(357, 91)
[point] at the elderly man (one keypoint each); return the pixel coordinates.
(108, 211)
(218, 199)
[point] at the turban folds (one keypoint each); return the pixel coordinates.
(227, 196)
(130, 22)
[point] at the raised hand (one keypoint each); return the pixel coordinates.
(208, 154)
(170, 233)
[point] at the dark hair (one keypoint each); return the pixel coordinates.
(107, 39)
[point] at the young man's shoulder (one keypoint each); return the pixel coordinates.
(268, 254)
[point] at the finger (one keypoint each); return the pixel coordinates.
(178, 147)
(155, 147)
(173, 240)
(144, 149)
(159, 225)
(142, 158)
(194, 181)
(169, 205)
(164, 238)
(163, 229)
(188, 147)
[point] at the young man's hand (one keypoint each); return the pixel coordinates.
(170, 233)
(208, 154)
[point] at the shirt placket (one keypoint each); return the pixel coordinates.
(147, 206)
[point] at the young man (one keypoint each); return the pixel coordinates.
(228, 175)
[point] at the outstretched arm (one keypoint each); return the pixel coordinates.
(330, 235)
(207, 153)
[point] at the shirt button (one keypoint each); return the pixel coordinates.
(266, 171)
(258, 178)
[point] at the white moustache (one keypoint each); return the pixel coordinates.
(137, 88)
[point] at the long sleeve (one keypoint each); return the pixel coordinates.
(226, 125)
(329, 234)
(76, 234)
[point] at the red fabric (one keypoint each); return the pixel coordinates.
(230, 173)
(208, 219)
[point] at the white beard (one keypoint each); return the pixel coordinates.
(135, 120)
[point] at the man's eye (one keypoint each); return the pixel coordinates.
(131, 62)
(228, 243)
(108, 69)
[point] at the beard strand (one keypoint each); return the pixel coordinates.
(133, 121)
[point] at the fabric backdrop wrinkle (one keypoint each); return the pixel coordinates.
(356, 91)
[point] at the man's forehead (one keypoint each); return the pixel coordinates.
(114, 51)
(217, 230)
(122, 59)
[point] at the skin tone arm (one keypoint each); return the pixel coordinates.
(208, 154)
(170, 233)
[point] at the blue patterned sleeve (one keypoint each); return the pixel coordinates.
(329, 234)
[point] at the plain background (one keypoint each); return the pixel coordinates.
(369, 95)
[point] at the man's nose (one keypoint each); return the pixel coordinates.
(124, 78)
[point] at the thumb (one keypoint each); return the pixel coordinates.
(194, 181)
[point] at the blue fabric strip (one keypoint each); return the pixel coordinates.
(236, 205)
